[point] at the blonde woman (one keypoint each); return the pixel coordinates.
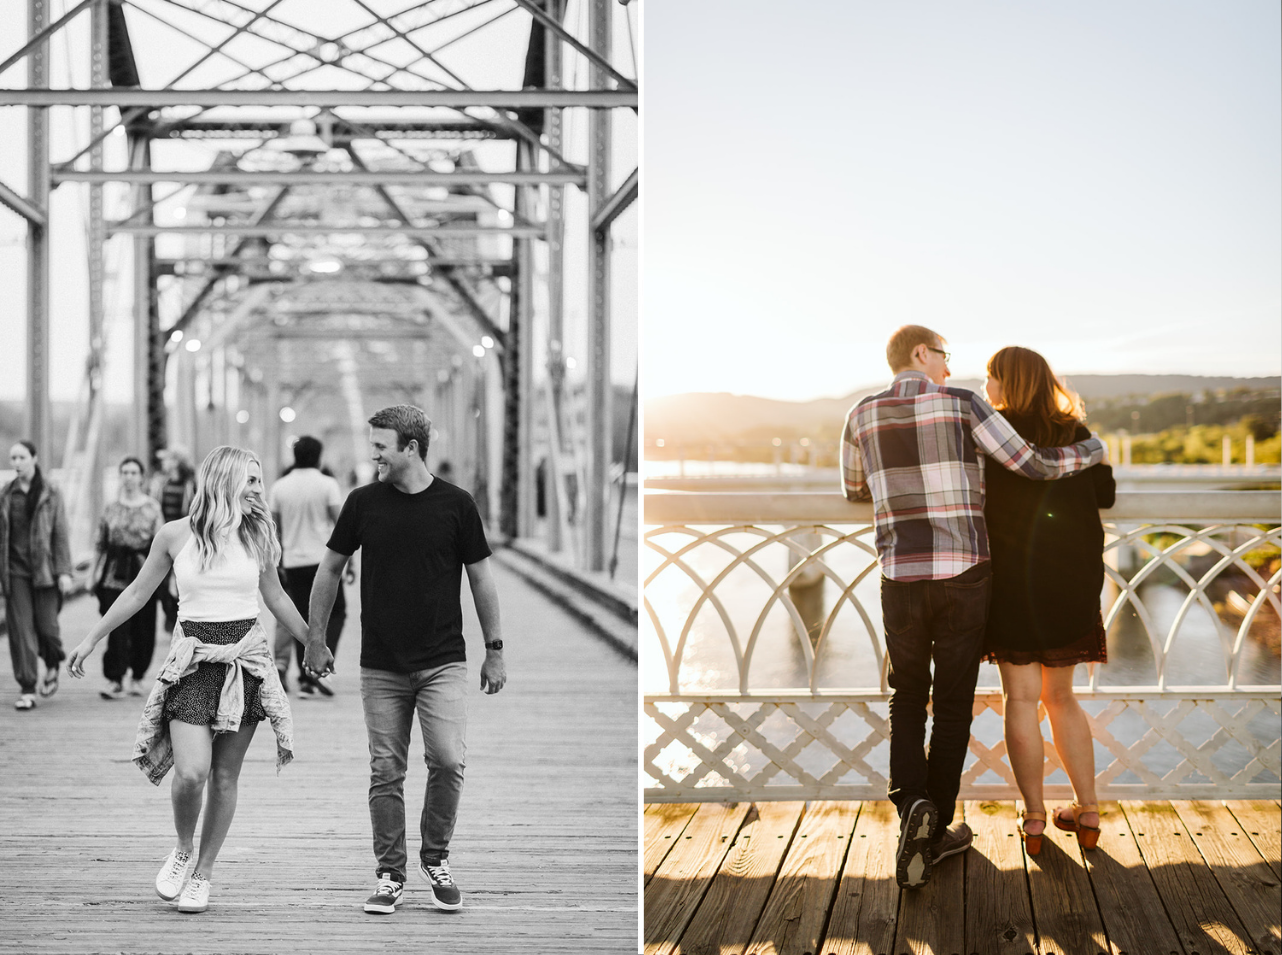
(219, 680)
(1046, 543)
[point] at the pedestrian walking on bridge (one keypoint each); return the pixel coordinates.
(417, 534)
(219, 680)
(35, 573)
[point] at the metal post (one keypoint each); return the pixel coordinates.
(96, 254)
(38, 425)
(148, 391)
(554, 130)
(521, 354)
(599, 390)
(270, 450)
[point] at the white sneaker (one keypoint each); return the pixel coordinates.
(114, 690)
(195, 897)
(169, 883)
(136, 688)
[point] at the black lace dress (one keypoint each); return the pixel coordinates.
(1047, 547)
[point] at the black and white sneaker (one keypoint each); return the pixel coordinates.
(445, 894)
(386, 895)
(916, 831)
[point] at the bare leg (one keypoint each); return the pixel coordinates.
(193, 749)
(1021, 686)
(224, 776)
(1072, 735)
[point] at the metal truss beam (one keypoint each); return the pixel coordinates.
(24, 208)
(567, 37)
(622, 198)
(457, 99)
(204, 128)
(47, 32)
(312, 228)
(303, 333)
(311, 178)
(178, 266)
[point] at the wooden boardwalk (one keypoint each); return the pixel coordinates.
(787, 878)
(545, 850)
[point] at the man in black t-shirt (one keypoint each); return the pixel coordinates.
(417, 535)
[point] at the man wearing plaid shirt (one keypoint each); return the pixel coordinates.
(915, 450)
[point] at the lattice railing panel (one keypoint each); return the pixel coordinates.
(768, 748)
(766, 637)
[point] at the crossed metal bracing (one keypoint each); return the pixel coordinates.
(337, 201)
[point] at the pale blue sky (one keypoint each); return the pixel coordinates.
(1096, 180)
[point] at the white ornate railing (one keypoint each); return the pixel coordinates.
(734, 580)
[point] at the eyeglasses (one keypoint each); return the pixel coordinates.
(947, 355)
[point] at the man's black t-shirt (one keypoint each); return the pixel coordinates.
(413, 548)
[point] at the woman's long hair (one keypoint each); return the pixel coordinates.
(216, 509)
(1030, 389)
(37, 479)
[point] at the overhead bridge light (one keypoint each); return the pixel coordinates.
(325, 266)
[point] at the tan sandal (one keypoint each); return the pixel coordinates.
(1087, 836)
(1032, 841)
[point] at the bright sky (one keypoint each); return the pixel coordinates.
(1098, 181)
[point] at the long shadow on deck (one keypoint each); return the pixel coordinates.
(738, 879)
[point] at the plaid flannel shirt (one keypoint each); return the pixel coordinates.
(915, 450)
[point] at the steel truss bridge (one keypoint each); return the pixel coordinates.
(311, 209)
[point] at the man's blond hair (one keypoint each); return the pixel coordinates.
(899, 350)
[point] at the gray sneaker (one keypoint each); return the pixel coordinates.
(387, 894)
(916, 831)
(955, 840)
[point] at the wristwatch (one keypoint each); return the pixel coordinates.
(496, 645)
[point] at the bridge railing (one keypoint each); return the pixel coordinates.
(747, 592)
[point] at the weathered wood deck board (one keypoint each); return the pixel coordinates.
(1262, 823)
(795, 913)
(999, 919)
(1199, 911)
(1064, 911)
(738, 894)
(664, 823)
(678, 886)
(545, 846)
(1147, 889)
(867, 900)
(1128, 901)
(1237, 865)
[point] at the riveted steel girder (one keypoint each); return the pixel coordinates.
(456, 99)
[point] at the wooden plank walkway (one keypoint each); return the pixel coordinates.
(790, 878)
(545, 850)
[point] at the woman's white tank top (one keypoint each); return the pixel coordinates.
(227, 590)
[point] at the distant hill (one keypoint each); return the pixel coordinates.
(701, 418)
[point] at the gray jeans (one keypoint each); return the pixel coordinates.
(439, 695)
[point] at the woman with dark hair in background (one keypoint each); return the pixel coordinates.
(1047, 546)
(128, 526)
(35, 573)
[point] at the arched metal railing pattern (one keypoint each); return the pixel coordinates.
(729, 735)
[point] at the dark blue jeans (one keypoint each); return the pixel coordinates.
(943, 621)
